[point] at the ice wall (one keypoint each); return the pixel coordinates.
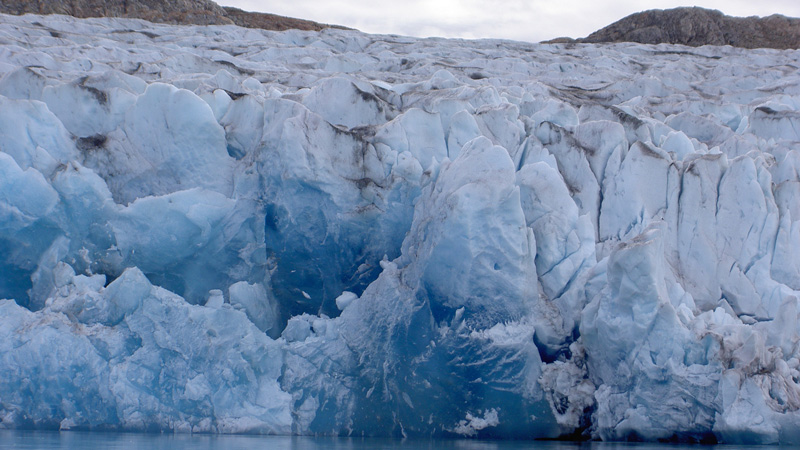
(215, 229)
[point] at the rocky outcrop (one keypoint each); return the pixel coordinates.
(271, 21)
(180, 12)
(699, 26)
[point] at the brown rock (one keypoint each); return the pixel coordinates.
(175, 11)
(699, 26)
(560, 40)
(271, 21)
(182, 12)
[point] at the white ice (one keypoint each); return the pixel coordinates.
(217, 229)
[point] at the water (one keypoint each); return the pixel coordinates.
(130, 441)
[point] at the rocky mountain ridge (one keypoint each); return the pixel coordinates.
(179, 12)
(692, 26)
(699, 26)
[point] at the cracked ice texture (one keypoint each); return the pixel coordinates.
(220, 229)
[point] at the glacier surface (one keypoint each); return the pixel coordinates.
(217, 229)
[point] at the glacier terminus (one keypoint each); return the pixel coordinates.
(226, 230)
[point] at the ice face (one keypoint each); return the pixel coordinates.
(413, 324)
(216, 229)
(138, 357)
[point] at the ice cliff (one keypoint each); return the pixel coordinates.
(217, 229)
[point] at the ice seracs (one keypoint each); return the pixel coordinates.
(216, 229)
(134, 356)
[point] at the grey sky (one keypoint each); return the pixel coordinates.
(525, 20)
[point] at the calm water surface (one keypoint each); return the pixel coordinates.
(130, 441)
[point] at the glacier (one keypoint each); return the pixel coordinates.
(227, 230)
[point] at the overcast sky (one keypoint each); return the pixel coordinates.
(525, 20)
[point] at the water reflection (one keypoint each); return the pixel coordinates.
(131, 441)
